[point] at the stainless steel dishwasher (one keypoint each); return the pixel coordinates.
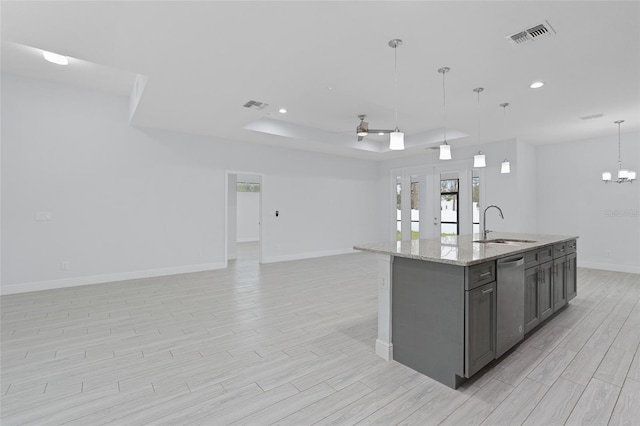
(510, 303)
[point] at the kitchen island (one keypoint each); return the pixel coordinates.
(448, 306)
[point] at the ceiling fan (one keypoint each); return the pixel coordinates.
(363, 129)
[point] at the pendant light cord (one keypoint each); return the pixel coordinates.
(444, 108)
(479, 116)
(504, 125)
(395, 72)
(504, 122)
(619, 150)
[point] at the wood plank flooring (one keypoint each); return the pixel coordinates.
(292, 343)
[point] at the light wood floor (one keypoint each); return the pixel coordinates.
(292, 343)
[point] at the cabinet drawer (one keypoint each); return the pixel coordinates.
(481, 274)
(559, 250)
(571, 246)
(531, 259)
(545, 254)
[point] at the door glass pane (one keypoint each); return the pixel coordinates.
(449, 185)
(398, 208)
(449, 207)
(415, 210)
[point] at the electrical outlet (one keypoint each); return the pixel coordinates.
(64, 266)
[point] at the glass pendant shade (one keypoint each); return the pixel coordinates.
(506, 167)
(623, 174)
(479, 160)
(631, 175)
(445, 151)
(606, 176)
(396, 140)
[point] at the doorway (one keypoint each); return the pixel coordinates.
(244, 217)
(435, 201)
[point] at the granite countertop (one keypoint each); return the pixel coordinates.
(461, 249)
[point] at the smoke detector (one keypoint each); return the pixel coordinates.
(531, 34)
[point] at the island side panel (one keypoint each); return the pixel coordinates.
(428, 318)
(384, 348)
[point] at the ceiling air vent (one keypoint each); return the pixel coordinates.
(255, 105)
(591, 117)
(531, 34)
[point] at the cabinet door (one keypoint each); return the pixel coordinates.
(545, 298)
(531, 296)
(559, 284)
(480, 330)
(570, 278)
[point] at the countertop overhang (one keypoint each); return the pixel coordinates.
(461, 249)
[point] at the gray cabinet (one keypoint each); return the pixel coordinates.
(570, 278)
(550, 281)
(531, 298)
(480, 327)
(480, 274)
(545, 292)
(445, 316)
(559, 283)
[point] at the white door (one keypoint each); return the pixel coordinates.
(435, 201)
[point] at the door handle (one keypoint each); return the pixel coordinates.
(489, 290)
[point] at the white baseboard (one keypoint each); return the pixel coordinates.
(308, 255)
(247, 240)
(97, 279)
(609, 267)
(384, 350)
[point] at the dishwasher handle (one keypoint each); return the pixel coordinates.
(511, 262)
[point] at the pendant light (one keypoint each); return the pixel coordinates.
(624, 175)
(506, 166)
(445, 148)
(396, 138)
(479, 159)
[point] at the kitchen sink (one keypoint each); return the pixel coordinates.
(504, 241)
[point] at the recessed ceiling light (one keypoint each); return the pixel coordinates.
(536, 84)
(282, 111)
(55, 58)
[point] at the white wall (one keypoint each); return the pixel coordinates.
(248, 216)
(129, 202)
(526, 175)
(572, 199)
(232, 216)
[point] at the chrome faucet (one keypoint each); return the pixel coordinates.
(485, 231)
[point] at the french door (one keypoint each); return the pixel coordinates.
(435, 201)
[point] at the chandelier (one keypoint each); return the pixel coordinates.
(624, 175)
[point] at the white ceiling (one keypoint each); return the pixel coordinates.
(327, 62)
